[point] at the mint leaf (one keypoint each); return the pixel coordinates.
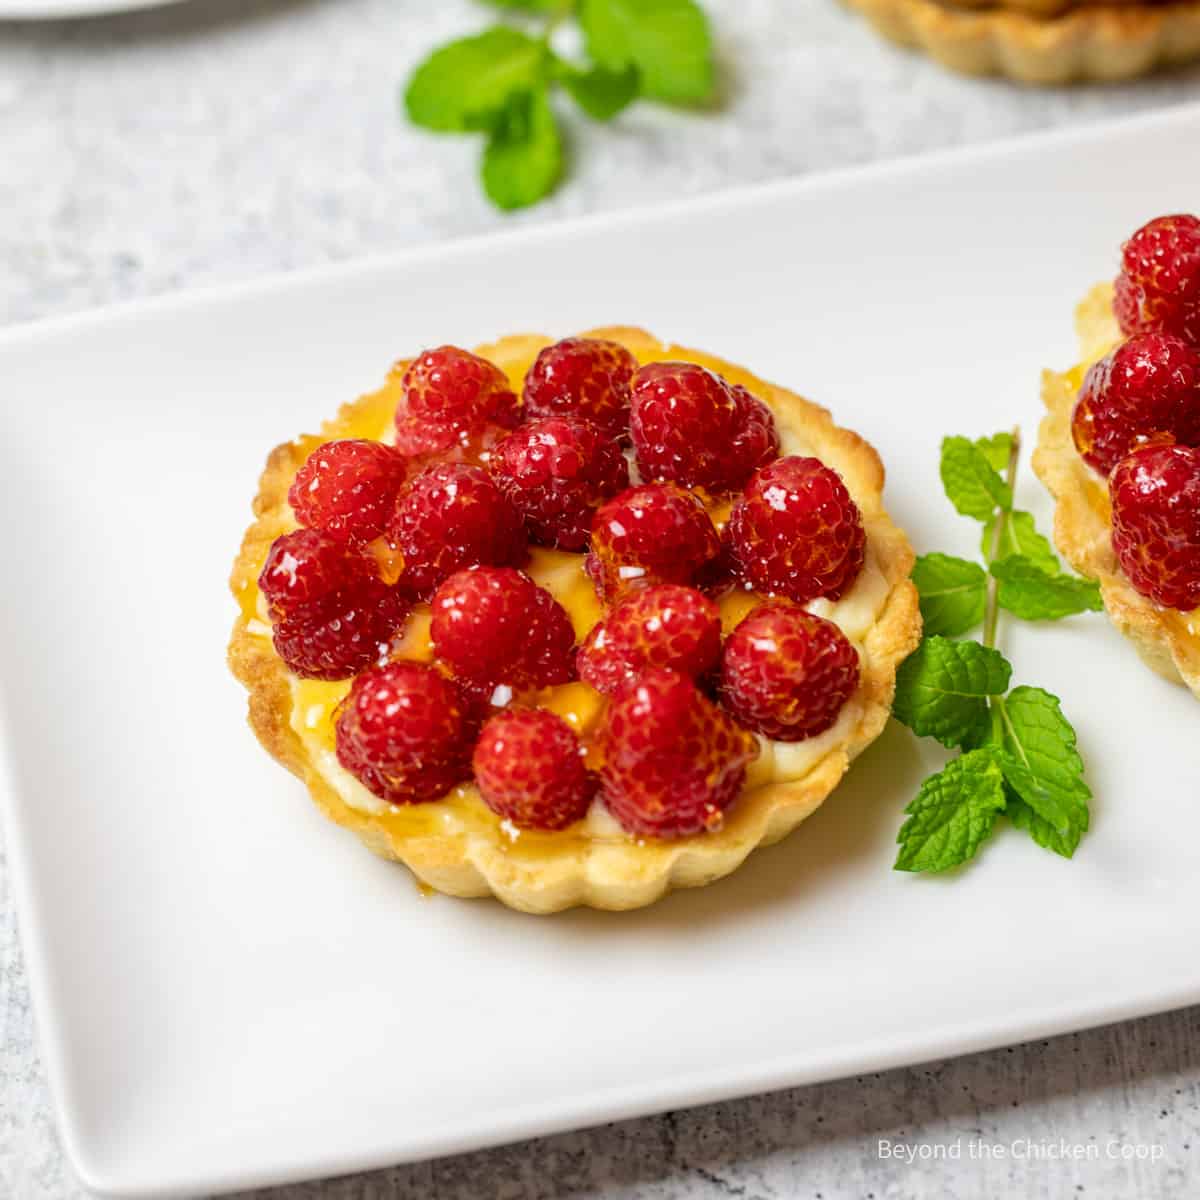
(971, 482)
(953, 593)
(943, 688)
(667, 40)
(467, 84)
(1064, 842)
(600, 92)
(996, 449)
(952, 814)
(1037, 736)
(1034, 595)
(1020, 536)
(523, 158)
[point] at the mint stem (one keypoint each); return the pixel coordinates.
(991, 612)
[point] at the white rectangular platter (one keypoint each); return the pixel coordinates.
(231, 991)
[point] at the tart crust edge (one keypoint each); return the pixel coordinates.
(1082, 529)
(614, 876)
(1094, 42)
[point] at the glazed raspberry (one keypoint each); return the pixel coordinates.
(331, 615)
(690, 426)
(786, 673)
(455, 405)
(494, 627)
(756, 441)
(1159, 286)
(673, 761)
(348, 489)
(339, 635)
(583, 377)
(557, 471)
(657, 533)
(1146, 390)
(452, 516)
(796, 531)
(529, 768)
(1156, 523)
(307, 565)
(668, 626)
(403, 733)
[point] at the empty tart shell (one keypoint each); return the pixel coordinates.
(457, 845)
(1169, 641)
(1091, 42)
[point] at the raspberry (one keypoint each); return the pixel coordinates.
(756, 441)
(1156, 523)
(454, 405)
(1146, 390)
(1159, 286)
(583, 377)
(307, 565)
(494, 626)
(338, 636)
(657, 533)
(668, 626)
(403, 732)
(690, 426)
(786, 673)
(556, 472)
(452, 516)
(331, 614)
(673, 761)
(529, 768)
(348, 489)
(796, 531)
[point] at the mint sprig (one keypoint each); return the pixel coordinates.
(1019, 755)
(501, 82)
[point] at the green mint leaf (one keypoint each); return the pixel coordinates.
(942, 689)
(996, 449)
(953, 593)
(1020, 536)
(667, 40)
(1031, 593)
(953, 813)
(523, 158)
(467, 84)
(600, 92)
(972, 484)
(1060, 841)
(1036, 735)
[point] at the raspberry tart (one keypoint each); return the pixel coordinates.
(571, 622)
(1119, 448)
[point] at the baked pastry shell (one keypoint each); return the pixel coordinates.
(557, 871)
(1032, 43)
(1168, 641)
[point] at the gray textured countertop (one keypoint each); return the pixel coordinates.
(222, 139)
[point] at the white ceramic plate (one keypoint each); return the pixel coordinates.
(231, 991)
(53, 10)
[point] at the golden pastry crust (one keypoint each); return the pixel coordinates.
(1101, 42)
(546, 873)
(1168, 641)
(1041, 9)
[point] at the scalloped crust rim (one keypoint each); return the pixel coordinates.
(1095, 42)
(617, 875)
(1082, 517)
